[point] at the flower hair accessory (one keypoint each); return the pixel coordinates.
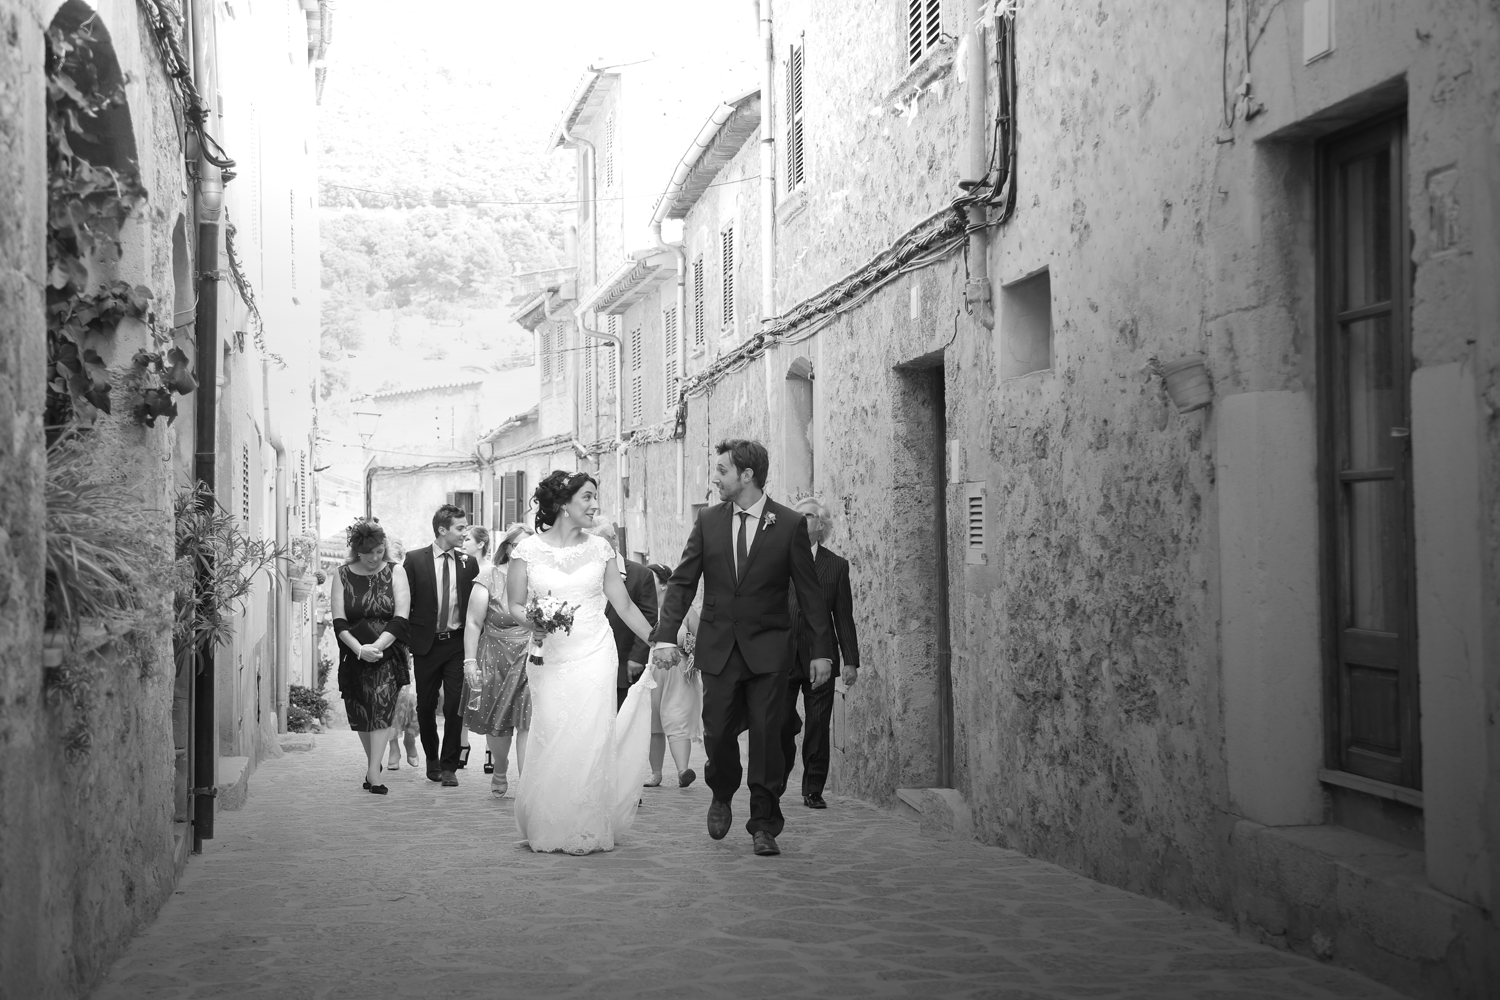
(769, 521)
(361, 529)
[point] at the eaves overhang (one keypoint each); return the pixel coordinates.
(636, 277)
(533, 312)
(729, 126)
(587, 98)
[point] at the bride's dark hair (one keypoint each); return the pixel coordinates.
(556, 492)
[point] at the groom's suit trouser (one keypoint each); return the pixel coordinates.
(731, 698)
(440, 670)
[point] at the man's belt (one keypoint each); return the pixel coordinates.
(445, 636)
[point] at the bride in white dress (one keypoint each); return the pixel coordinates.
(584, 762)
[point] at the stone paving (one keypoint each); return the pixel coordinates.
(318, 889)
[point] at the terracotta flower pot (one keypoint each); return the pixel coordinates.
(1188, 384)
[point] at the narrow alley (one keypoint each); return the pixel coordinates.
(316, 890)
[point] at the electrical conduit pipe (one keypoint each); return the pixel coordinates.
(978, 295)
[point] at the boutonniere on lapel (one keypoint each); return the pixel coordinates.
(769, 521)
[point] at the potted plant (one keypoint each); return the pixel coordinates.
(304, 557)
(216, 566)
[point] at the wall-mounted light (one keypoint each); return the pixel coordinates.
(364, 422)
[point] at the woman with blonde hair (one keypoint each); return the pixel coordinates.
(497, 701)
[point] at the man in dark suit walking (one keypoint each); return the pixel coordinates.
(817, 702)
(441, 577)
(749, 551)
(640, 584)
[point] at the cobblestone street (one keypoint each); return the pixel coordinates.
(317, 889)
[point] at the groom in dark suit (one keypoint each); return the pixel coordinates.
(750, 552)
(440, 576)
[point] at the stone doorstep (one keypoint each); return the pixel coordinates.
(1358, 902)
(234, 783)
(941, 813)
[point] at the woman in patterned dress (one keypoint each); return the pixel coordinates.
(495, 663)
(371, 601)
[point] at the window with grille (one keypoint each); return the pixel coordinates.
(974, 526)
(924, 28)
(245, 482)
(669, 340)
(609, 152)
(637, 377)
(726, 263)
(700, 332)
(795, 162)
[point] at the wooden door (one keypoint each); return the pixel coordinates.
(1365, 362)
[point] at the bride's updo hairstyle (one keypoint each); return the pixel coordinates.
(556, 492)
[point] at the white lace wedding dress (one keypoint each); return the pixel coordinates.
(584, 762)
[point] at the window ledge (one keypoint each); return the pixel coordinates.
(792, 205)
(935, 64)
(1379, 789)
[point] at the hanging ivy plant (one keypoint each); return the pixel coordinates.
(91, 194)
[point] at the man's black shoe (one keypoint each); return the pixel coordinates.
(449, 779)
(814, 802)
(434, 774)
(765, 844)
(719, 818)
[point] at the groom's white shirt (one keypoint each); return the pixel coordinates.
(750, 524)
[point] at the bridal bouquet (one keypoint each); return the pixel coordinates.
(549, 615)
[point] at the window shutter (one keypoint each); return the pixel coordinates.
(609, 152)
(292, 231)
(523, 502)
(245, 482)
(590, 363)
(726, 263)
(508, 513)
(612, 377)
(794, 130)
(637, 373)
(669, 338)
(450, 499)
(699, 330)
(924, 28)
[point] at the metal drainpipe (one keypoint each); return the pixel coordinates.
(210, 207)
(620, 447)
(978, 295)
(681, 346)
(282, 598)
(767, 166)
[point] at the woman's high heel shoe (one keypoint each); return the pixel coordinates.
(489, 762)
(463, 756)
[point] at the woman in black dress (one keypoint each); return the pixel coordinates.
(371, 601)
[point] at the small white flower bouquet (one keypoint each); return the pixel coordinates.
(549, 614)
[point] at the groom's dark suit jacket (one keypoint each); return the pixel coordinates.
(421, 576)
(753, 612)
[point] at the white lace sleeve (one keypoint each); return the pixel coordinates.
(605, 550)
(527, 549)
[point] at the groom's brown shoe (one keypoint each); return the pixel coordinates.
(765, 844)
(719, 818)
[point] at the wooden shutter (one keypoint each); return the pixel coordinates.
(637, 373)
(590, 363)
(794, 130)
(612, 376)
(670, 335)
(726, 264)
(924, 28)
(609, 152)
(699, 330)
(508, 515)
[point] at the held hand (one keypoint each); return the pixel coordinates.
(850, 674)
(537, 636)
(819, 672)
(369, 653)
(635, 668)
(666, 657)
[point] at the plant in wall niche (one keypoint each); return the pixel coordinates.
(217, 564)
(100, 558)
(161, 376)
(92, 191)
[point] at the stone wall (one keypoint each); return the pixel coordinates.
(86, 807)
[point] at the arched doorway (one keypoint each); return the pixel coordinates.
(797, 420)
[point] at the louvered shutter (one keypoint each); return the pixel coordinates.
(609, 152)
(726, 263)
(669, 339)
(699, 326)
(508, 514)
(612, 377)
(795, 160)
(590, 373)
(637, 377)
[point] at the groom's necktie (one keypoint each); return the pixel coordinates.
(443, 600)
(741, 550)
